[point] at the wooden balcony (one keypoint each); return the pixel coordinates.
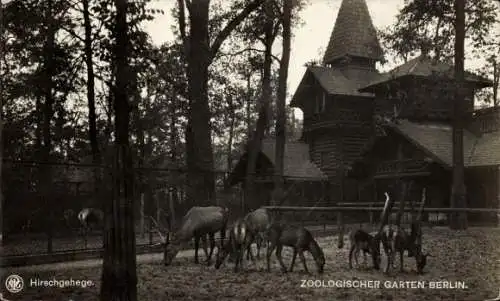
(402, 168)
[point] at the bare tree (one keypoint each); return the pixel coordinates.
(119, 274)
(255, 142)
(199, 55)
(281, 101)
(458, 221)
(90, 83)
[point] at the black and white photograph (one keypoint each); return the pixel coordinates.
(283, 150)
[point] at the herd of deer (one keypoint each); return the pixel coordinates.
(202, 223)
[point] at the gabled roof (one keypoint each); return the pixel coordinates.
(436, 140)
(297, 164)
(423, 66)
(353, 34)
(335, 82)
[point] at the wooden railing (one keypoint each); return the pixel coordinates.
(406, 165)
(343, 210)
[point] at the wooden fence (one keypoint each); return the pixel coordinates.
(344, 212)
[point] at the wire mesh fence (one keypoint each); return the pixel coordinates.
(42, 203)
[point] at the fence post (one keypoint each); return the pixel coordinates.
(150, 230)
(340, 228)
(143, 234)
(371, 214)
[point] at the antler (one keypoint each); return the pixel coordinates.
(422, 203)
(163, 238)
(384, 212)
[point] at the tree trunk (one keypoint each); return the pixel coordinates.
(255, 143)
(90, 84)
(496, 80)
(2, 53)
(48, 114)
(281, 101)
(232, 121)
(119, 275)
(173, 192)
(458, 220)
(248, 114)
(138, 126)
(200, 156)
(200, 55)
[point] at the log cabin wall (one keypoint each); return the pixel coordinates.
(423, 100)
(485, 121)
(336, 130)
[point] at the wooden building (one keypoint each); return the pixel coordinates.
(303, 179)
(365, 129)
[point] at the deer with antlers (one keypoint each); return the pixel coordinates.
(396, 240)
(198, 223)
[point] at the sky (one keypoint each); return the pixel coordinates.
(309, 40)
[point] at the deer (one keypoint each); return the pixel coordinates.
(198, 223)
(257, 221)
(240, 237)
(361, 240)
(300, 239)
(90, 218)
(396, 240)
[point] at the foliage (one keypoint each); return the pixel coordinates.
(428, 27)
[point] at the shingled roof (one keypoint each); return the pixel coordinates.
(297, 164)
(436, 140)
(335, 82)
(353, 34)
(423, 66)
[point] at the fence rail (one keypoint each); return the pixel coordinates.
(364, 209)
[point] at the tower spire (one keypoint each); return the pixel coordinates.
(353, 35)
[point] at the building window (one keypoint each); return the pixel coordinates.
(320, 103)
(323, 159)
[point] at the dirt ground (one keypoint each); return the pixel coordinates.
(470, 257)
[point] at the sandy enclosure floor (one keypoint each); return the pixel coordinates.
(472, 257)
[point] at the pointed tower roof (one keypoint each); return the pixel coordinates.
(353, 34)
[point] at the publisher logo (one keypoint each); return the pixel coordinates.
(14, 283)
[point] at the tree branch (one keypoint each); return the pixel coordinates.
(188, 5)
(182, 24)
(73, 34)
(250, 49)
(231, 25)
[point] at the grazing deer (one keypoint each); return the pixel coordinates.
(300, 239)
(90, 218)
(396, 240)
(258, 221)
(240, 237)
(199, 222)
(362, 241)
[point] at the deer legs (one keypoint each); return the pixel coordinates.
(211, 237)
(302, 258)
(208, 255)
(352, 253)
(279, 249)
